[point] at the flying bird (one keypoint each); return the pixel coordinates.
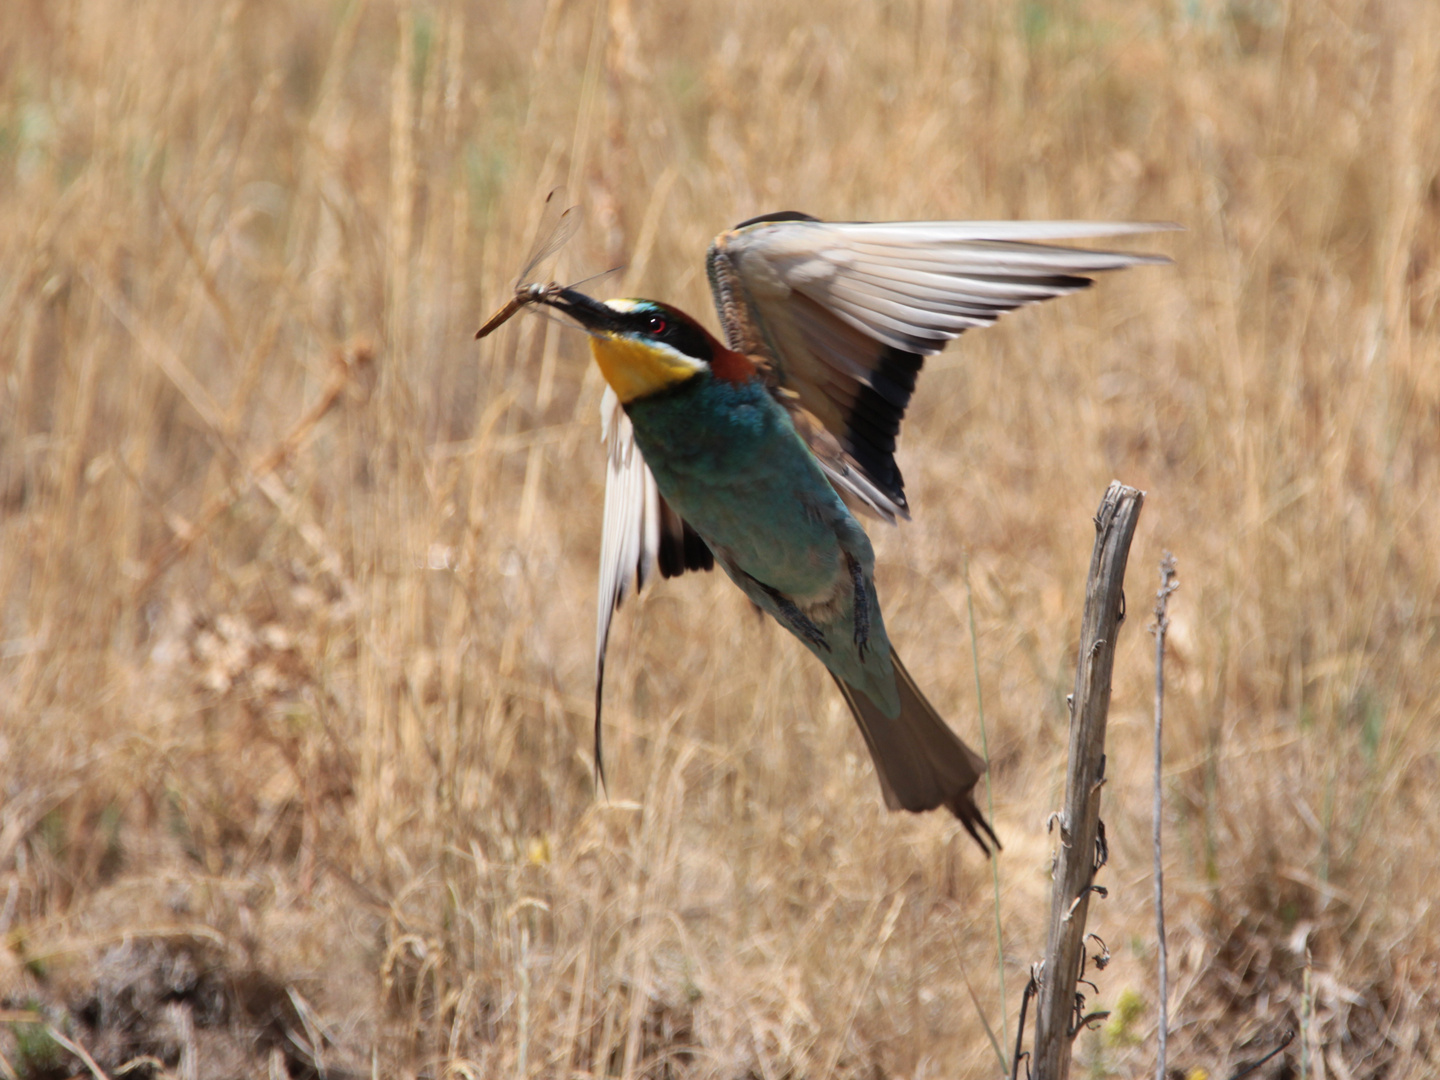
(760, 451)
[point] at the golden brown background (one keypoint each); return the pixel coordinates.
(295, 701)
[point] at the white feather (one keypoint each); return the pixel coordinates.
(915, 285)
(630, 540)
(926, 233)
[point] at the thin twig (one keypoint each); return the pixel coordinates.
(1168, 584)
(1307, 1003)
(985, 1023)
(1246, 1070)
(1031, 989)
(990, 798)
(78, 1050)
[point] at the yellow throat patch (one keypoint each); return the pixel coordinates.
(635, 369)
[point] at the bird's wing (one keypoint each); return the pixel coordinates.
(642, 534)
(844, 313)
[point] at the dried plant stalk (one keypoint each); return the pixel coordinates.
(1082, 845)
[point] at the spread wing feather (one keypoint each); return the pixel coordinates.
(843, 314)
(641, 534)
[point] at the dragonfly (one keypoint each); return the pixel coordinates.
(527, 292)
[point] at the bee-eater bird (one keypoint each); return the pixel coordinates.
(756, 453)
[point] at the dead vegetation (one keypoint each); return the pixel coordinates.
(294, 701)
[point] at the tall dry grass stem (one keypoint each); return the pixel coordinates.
(1169, 582)
(990, 811)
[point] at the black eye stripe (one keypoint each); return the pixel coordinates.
(674, 330)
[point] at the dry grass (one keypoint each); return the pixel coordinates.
(294, 746)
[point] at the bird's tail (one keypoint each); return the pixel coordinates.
(922, 764)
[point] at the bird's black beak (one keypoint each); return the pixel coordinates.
(589, 313)
(593, 316)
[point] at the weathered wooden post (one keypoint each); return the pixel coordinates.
(1082, 839)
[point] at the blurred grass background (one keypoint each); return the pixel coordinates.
(295, 770)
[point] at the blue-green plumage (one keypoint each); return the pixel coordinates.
(732, 469)
(746, 448)
(728, 459)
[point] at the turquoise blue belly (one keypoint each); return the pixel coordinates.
(729, 461)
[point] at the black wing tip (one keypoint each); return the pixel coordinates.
(698, 555)
(777, 216)
(878, 465)
(687, 551)
(873, 419)
(599, 751)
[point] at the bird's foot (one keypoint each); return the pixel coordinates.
(799, 622)
(862, 608)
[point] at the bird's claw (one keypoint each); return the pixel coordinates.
(798, 620)
(862, 608)
(801, 624)
(812, 634)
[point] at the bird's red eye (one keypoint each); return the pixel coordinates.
(656, 324)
